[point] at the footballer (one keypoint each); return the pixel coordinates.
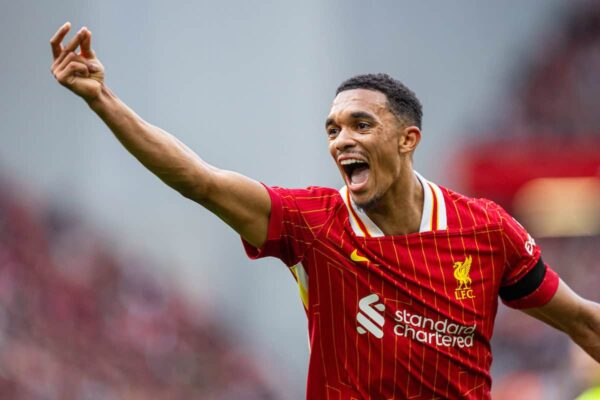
(400, 277)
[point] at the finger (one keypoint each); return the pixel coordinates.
(86, 45)
(66, 59)
(71, 57)
(75, 41)
(72, 45)
(55, 41)
(73, 71)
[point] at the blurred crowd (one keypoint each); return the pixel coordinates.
(557, 96)
(80, 322)
(558, 88)
(533, 361)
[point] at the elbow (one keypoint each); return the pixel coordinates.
(197, 190)
(586, 331)
(197, 186)
(589, 319)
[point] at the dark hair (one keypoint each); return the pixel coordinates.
(402, 101)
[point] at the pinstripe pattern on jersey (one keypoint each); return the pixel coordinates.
(316, 231)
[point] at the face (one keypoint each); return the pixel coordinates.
(370, 146)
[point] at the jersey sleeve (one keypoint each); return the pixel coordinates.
(297, 216)
(527, 281)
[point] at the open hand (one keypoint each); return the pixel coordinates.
(82, 72)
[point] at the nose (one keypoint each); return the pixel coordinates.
(344, 141)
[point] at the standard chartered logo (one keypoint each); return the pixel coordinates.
(370, 316)
(438, 332)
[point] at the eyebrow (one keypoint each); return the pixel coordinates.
(362, 115)
(354, 115)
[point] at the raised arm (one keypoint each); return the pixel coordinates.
(241, 202)
(577, 317)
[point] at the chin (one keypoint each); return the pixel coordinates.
(368, 203)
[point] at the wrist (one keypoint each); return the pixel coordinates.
(101, 99)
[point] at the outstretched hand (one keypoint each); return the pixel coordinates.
(82, 72)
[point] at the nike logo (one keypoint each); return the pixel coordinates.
(355, 257)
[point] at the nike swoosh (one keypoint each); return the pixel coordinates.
(355, 257)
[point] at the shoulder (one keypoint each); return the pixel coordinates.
(309, 195)
(312, 199)
(467, 212)
(310, 192)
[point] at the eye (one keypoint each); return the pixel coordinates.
(332, 132)
(363, 126)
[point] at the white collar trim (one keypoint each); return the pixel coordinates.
(433, 218)
(434, 207)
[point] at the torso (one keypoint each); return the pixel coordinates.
(390, 316)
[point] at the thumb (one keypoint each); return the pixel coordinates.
(93, 66)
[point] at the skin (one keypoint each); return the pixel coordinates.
(577, 317)
(241, 202)
(359, 124)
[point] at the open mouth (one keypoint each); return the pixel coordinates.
(357, 172)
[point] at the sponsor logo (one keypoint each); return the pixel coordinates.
(441, 332)
(463, 280)
(426, 330)
(357, 258)
(370, 316)
(529, 245)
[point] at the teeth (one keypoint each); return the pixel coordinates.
(352, 161)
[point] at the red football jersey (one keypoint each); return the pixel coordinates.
(406, 316)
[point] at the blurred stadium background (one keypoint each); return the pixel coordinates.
(114, 287)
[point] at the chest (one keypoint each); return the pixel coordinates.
(459, 270)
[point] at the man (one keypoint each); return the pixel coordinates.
(399, 277)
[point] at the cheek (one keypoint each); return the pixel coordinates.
(388, 163)
(333, 152)
(332, 149)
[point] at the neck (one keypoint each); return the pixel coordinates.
(400, 210)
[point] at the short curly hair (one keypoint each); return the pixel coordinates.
(402, 101)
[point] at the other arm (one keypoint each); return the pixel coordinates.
(241, 202)
(577, 317)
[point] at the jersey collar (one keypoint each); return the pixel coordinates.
(434, 207)
(433, 218)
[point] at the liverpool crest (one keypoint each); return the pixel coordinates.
(461, 273)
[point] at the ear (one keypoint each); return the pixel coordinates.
(409, 139)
